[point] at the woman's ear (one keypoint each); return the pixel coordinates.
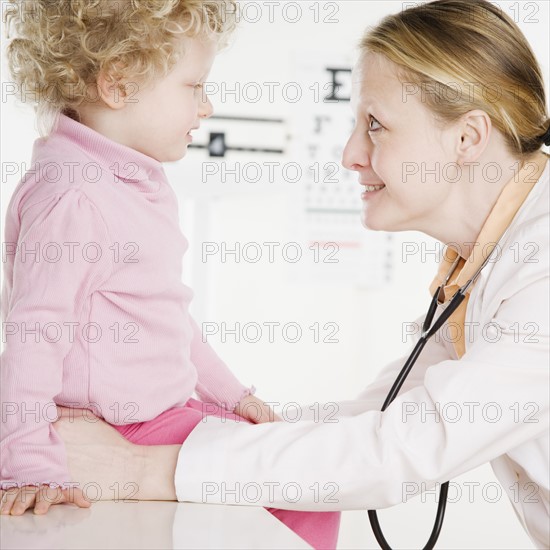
(112, 92)
(475, 131)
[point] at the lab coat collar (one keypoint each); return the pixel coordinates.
(509, 202)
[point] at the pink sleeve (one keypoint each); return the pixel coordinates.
(52, 279)
(216, 383)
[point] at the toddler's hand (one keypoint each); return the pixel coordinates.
(254, 409)
(17, 499)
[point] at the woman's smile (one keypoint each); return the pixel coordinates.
(371, 190)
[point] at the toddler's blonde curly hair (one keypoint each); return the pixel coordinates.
(60, 46)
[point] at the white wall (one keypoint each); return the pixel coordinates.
(369, 321)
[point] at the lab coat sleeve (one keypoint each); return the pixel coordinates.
(490, 401)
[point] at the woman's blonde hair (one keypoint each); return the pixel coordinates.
(465, 55)
(61, 45)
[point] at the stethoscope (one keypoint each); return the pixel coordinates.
(427, 332)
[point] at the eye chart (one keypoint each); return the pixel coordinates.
(324, 205)
(329, 202)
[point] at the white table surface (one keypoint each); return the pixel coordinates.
(147, 525)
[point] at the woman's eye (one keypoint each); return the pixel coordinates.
(371, 129)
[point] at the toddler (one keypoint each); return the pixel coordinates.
(94, 312)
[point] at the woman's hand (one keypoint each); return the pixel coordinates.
(116, 469)
(100, 457)
(17, 499)
(254, 409)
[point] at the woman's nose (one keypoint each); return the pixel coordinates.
(355, 155)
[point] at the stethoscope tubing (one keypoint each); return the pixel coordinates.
(428, 330)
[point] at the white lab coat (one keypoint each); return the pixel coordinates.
(372, 460)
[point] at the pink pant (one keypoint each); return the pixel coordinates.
(172, 427)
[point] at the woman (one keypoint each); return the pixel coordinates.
(450, 121)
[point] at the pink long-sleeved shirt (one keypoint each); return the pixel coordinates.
(94, 311)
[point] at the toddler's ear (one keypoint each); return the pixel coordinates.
(111, 91)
